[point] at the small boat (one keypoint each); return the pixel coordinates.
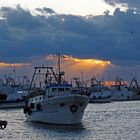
(9, 97)
(120, 91)
(78, 86)
(99, 93)
(53, 100)
(135, 88)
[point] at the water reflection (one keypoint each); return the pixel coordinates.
(117, 120)
(56, 127)
(58, 131)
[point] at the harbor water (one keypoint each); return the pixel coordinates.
(107, 121)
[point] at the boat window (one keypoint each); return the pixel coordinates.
(54, 89)
(67, 89)
(60, 89)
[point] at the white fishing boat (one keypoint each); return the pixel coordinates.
(9, 97)
(99, 93)
(23, 86)
(121, 92)
(53, 101)
(78, 87)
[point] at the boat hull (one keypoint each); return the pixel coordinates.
(102, 100)
(12, 104)
(122, 96)
(60, 110)
(100, 97)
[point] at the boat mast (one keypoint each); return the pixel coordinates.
(59, 56)
(59, 59)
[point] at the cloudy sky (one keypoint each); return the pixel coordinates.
(75, 7)
(98, 37)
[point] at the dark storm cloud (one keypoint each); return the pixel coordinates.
(46, 10)
(130, 3)
(24, 36)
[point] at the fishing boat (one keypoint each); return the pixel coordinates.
(135, 88)
(121, 92)
(53, 100)
(9, 97)
(99, 93)
(78, 87)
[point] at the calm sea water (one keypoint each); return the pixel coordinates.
(110, 121)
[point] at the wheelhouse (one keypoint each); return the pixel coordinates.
(58, 89)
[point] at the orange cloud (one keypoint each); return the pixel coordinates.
(74, 66)
(91, 61)
(2, 64)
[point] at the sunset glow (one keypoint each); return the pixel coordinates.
(86, 62)
(74, 66)
(92, 61)
(2, 64)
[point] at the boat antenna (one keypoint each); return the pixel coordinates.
(59, 56)
(14, 72)
(59, 61)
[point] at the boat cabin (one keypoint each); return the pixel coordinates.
(58, 89)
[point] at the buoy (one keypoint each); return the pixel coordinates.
(3, 124)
